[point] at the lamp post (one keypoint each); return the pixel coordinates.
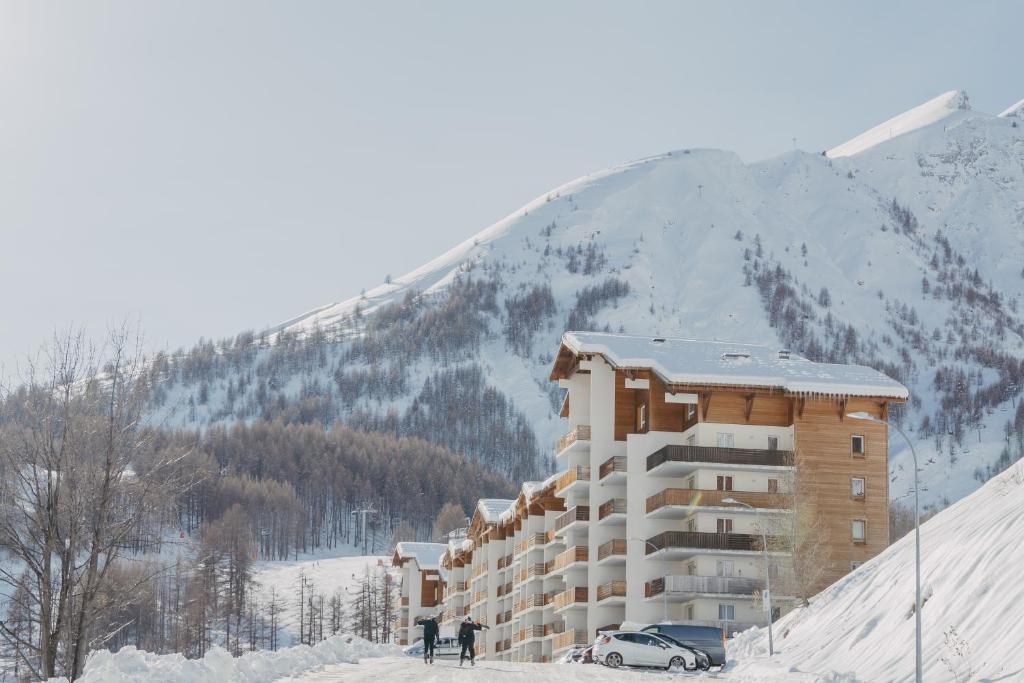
(767, 574)
(664, 579)
(917, 538)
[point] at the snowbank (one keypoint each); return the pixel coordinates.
(129, 665)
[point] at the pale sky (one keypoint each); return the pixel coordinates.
(208, 167)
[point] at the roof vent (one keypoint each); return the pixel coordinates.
(784, 354)
(658, 340)
(735, 355)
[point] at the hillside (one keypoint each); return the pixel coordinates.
(902, 249)
(863, 625)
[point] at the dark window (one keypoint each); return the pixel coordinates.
(857, 444)
(724, 526)
(773, 443)
(724, 483)
(773, 486)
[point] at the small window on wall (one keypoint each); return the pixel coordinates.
(691, 411)
(691, 440)
(641, 417)
(691, 525)
(859, 530)
(726, 612)
(857, 445)
(724, 483)
(724, 568)
(773, 443)
(691, 483)
(689, 612)
(724, 526)
(773, 486)
(857, 487)
(726, 440)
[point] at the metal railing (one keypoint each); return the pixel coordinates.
(702, 540)
(719, 456)
(685, 583)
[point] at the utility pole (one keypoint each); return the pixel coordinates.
(362, 513)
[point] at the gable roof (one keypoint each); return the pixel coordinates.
(427, 555)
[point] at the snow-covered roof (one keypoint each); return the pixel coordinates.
(691, 361)
(427, 555)
(920, 116)
(529, 489)
(491, 508)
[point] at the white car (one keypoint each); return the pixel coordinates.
(443, 647)
(631, 648)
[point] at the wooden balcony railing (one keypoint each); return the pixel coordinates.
(405, 601)
(702, 540)
(554, 627)
(531, 632)
(570, 638)
(707, 497)
(508, 615)
(538, 539)
(479, 596)
(571, 476)
(719, 456)
(612, 548)
(506, 644)
(615, 506)
(614, 464)
(579, 433)
(564, 559)
(536, 600)
(612, 589)
(570, 597)
(580, 513)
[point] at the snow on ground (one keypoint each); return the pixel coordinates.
(328, 572)
(923, 115)
(973, 602)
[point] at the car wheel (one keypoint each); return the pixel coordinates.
(677, 663)
(614, 660)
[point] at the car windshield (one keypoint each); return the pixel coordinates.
(670, 640)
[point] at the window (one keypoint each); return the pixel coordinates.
(641, 417)
(857, 487)
(691, 411)
(691, 569)
(724, 526)
(773, 486)
(726, 440)
(724, 483)
(726, 612)
(644, 639)
(689, 612)
(691, 525)
(691, 483)
(773, 443)
(691, 440)
(724, 568)
(860, 531)
(857, 444)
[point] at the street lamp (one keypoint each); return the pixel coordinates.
(664, 588)
(767, 574)
(917, 537)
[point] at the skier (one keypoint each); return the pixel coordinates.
(467, 638)
(430, 630)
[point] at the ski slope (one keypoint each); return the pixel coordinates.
(863, 625)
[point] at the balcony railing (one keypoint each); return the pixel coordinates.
(570, 597)
(572, 476)
(554, 628)
(612, 548)
(714, 498)
(564, 559)
(719, 456)
(578, 433)
(580, 513)
(531, 632)
(733, 585)
(615, 506)
(612, 589)
(536, 600)
(702, 540)
(405, 601)
(613, 464)
(570, 638)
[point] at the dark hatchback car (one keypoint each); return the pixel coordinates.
(709, 639)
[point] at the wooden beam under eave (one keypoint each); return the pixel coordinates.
(749, 407)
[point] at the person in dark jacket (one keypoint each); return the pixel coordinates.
(430, 631)
(467, 639)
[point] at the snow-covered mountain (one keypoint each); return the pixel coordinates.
(902, 248)
(863, 625)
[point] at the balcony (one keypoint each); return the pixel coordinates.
(612, 512)
(680, 503)
(568, 599)
(576, 516)
(677, 461)
(479, 597)
(682, 588)
(570, 638)
(575, 557)
(574, 479)
(533, 571)
(576, 438)
(554, 628)
(531, 632)
(405, 601)
(613, 592)
(613, 470)
(672, 545)
(536, 600)
(612, 552)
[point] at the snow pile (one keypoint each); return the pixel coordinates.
(1015, 111)
(923, 115)
(129, 665)
(973, 602)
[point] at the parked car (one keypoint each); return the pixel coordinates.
(633, 648)
(703, 658)
(708, 639)
(578, 655)
(444, 647)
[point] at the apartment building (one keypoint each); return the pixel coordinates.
(678, 455)
(422, 589)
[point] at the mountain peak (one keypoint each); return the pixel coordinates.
(920, 116)
(1014, 111)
